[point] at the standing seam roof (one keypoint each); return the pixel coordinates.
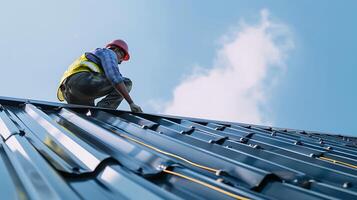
(58, 151)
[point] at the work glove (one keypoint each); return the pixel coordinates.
(135, 108)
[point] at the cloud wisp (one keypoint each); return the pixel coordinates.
(246, 68)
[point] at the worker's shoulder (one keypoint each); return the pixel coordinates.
(103, 51)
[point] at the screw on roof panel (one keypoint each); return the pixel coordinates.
(255, 146)
(302, 182)
(151, 127)
(144, 126)
(221, 128)
(328, 148)
(347, 185)
(89, 113)
(312, 155)
(221, 172)
(243, 140)
(187, 132)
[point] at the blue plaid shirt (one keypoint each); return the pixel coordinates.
(109, 62)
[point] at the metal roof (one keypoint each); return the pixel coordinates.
(58, 151)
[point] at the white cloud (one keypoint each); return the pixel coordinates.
(246, 68)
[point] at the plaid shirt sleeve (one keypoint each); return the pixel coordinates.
(110, 64)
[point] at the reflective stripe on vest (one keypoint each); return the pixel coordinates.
(82, 64)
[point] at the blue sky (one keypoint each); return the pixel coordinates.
(170, 40)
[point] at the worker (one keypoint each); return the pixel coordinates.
(96, 74)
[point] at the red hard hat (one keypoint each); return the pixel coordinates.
(121, 44)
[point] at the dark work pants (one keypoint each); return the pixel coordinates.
(84, 87)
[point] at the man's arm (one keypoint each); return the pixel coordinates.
(120, 87)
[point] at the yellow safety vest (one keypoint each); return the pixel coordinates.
(82, 64)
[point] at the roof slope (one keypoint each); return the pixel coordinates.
(58, 151)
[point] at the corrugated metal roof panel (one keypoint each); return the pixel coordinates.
(58, 151)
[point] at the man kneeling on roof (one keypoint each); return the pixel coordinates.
(96, 74)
